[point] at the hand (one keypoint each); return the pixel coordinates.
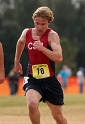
(2, 76)
(1, 81)
(38, 45)
(18, 67)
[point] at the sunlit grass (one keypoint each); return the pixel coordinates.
(11, 101)
(12, 107)
(74, 99)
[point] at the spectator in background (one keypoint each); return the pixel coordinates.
(69, 71)
(64, 74)
(13, 81)
(80, 78)
(2, 73)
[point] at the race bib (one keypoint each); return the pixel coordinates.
(40, 71)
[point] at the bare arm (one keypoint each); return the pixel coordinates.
(2, 73)
(54, 42)
(19, 49)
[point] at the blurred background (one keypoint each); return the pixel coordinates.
(69, 23)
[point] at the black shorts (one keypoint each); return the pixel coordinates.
(49, 88)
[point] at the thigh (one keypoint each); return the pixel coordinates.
(55, 109)
(33, 96)
(32, 90)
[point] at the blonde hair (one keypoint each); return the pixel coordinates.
(44, 12)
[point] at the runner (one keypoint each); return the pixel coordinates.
(44, 50)
(2, 74)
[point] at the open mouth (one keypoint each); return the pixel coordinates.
(40, 31)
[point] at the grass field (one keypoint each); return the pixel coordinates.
(13, 110)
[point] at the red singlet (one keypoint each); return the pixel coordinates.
(36, 57)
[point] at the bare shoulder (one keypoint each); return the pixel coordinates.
(23, 35)
(52, 33)
(24, 32)
(53, 36)
(1, 46)
(1, 50)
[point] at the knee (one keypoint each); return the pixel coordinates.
(59, 118)
(32, 106)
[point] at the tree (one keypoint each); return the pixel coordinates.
(69, 54)
(69, 22)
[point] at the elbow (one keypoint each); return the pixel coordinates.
(59, 60)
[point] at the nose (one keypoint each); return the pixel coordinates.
(39, 27)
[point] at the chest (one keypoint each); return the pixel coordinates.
(30, 39)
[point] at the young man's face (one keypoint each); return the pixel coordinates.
(41, 25)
